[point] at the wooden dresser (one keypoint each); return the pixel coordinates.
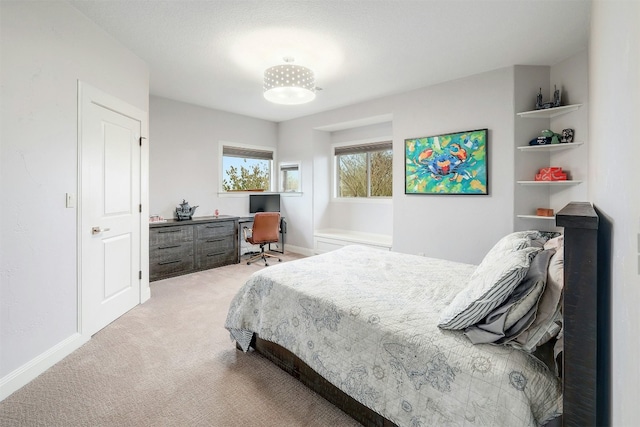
(181, 247)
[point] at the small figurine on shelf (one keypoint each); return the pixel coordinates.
(567, 135)
(551, 104)
(555, 137)
(216, 213)
(539, 104)
(556, 96)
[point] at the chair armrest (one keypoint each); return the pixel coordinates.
(244, 232)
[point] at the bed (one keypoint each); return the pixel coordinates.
(368, 330)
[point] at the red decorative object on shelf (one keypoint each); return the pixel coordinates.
(544, 212)
(551, 174)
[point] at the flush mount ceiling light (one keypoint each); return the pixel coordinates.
(289, 84)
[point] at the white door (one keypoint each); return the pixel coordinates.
(110, 223)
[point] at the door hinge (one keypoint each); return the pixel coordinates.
(140, 208)
(140, 274)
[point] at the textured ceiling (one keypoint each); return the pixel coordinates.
(213, 52)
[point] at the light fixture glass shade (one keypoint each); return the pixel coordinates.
(289, 84)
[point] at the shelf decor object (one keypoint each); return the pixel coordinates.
(551, 104)
(544, 212)
(453, 163)
(551, 174)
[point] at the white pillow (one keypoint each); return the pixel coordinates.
(512, 242)
(489, 286)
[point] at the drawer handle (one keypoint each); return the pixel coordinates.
(169, 262)
(215, 226)
(168, 231)
(216, 253)
(215, 240)
(169, 247)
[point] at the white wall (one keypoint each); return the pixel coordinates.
(46, 48)
(425, 223)
(614, 150)
(459, 228)
(184, 155)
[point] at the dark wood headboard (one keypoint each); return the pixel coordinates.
(584, 390)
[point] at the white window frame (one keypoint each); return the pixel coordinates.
(272, 177)
(334, 174)
(282, 167)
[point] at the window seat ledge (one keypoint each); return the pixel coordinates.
(331, 238)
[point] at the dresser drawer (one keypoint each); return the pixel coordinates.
(170, 259)
(172, 267)
(216, 251)
(216, 229)
(171, 251)
(170, 235)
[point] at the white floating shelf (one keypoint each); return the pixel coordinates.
(547, 113)
(566, 182)
(536, 217)
(550, 147)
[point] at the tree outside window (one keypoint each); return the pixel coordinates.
(246, 169)
(364, 170)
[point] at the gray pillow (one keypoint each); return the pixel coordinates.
(489, 286)
(528, 292)
(548, 320)
(518, 311)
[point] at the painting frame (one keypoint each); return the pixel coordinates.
(455, 163)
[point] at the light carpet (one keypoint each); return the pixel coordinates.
(170, 362)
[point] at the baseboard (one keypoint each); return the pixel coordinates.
(298, 250)
(27, 372)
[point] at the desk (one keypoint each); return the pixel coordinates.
(244, 247)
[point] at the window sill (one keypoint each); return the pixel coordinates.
(364, 200)
(247, 193)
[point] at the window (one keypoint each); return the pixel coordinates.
(364, 170)
(246, 168)
(290, 177)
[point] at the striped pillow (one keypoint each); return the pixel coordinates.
(489, 286)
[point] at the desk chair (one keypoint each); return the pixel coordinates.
(265, 230)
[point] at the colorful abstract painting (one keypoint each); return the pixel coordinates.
(454, 163)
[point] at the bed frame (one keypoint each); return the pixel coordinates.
(585, 331)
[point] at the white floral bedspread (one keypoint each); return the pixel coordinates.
(365, 319)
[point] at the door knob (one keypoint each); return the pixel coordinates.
(98, 230)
